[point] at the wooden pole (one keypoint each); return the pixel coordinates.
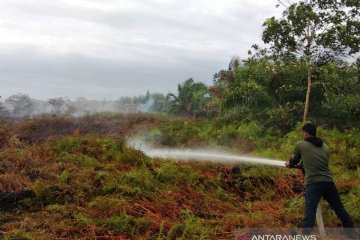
(320, 220)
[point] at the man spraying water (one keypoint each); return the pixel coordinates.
(312, 155)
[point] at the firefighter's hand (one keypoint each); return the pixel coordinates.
(287, 164)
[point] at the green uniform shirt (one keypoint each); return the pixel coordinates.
(314, 160)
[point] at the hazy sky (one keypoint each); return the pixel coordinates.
(103, 48)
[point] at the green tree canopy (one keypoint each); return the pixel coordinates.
(315, 30)
(192, 96)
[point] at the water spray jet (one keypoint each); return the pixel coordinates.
(210, 156)
(201, 155)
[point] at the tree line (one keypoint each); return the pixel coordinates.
(309, 69)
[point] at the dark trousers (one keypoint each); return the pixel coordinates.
(313, 194)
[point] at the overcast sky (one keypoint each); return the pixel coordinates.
(111, 48)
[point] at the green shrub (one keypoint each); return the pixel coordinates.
(140, 178)
(108, 204)
(190, 227)
(109, 181)
(112, 149)
(121, 223)
(134, 157)
(168, 172)
(64, 176)
(19, 235)
(83, 220)
(56, 208)
(136, 181)
(91, 146)
(81, 160)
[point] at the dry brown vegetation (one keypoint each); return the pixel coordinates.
(40, 128)
(89, 185)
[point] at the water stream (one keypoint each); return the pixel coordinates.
(202, 155)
